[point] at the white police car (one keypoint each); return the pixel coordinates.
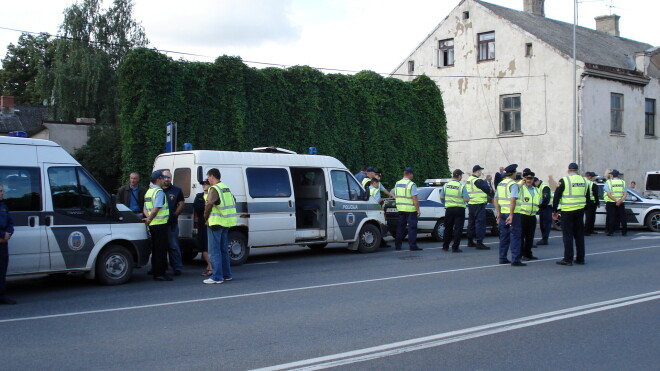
(641, 211)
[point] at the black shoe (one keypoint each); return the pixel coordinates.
(177, 273)
(163, 278)
(471, 243)
(528, 258)
(7, 301)
(445, 249)
(505, 261)
(518, 264)
(481, 246)
(456, 250)
(579, 262)
(564, 262)
(416, 249)
(542, 242)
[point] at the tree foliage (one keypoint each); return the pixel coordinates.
(21, 67)
(225, 105)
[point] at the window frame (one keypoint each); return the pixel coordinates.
(411, 67)
(504, 110)
(485, 42)
(649, 118)
(446, 50)
(252, 190)
(34, 200)
(80, 210)
(349, 179)
(616, 112)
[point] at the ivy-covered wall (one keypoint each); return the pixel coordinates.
(226, 105)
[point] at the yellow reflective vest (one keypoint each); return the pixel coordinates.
(575, 193)
(529, 204)
(617, 188)
(403, 194)
(163, 213)
(477, 196)
(223, 214)
(504, 196)
(453, 191)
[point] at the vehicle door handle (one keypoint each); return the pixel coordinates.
(49, 220)
(290, 203)
(32, 220)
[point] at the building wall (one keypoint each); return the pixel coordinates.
(471, 93)
(69, 136)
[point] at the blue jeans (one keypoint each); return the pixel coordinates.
(510, 236)
(174, 251)
(408, 220)
(219, 253)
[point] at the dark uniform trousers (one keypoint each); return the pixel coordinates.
(589, 218)
(477, 222)
(159, 247)
(4, 262)
(572, 227)
(528, 223)
(454, 221)
(616, 215)
(406, 220)
(510, 237)
(545, 221)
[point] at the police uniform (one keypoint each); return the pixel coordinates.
(573, 194)
(454, 194)
(158, 228)
(530, 198)
(590, 209)
(405, 192)
(510, 234)
(616, 214)
(6, 226)
(479, 191)
(545, 212)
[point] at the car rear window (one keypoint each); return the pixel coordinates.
(424, 193)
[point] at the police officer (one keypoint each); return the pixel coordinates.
(381, 188)
(590, 209)
(615, 196)
(545, 211)
(454, 195)
(508, 217)
(530, 198)
(371, 173)
(479, 192)
(6, 231)
(573, 194)
(407, 205)
(156, 214)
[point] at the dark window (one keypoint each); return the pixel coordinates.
(616, 109)
(486, 44)
(510, 119)
(424, 193)
(268, 182)
(653, 182)
(446, 53)
(22, 186)
(411, 67)
(345, 187)
(528, 50)
(466, 15)
(182, 180)
(73, 189)
(649, 117)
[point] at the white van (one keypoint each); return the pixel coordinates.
(64, 220)
(652, 184)
(282, 198)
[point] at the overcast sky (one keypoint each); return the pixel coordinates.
(342, 34)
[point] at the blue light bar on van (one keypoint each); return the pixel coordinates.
(18, 134)
(312, 150)
(187, 146)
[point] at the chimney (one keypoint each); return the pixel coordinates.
(536, 7)
(609, 24)
(7, 104)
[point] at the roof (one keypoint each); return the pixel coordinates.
(25, 118)
(27, 142)
(260, 159)
(596, 47)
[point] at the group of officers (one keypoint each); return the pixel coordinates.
(518, 198)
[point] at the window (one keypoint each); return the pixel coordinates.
(75, 192)
(22, 186)
(466, 15)
(182, 180)
(528, 50)
(411, 67)
(268, 182)
(424, 193)
(616, 113)
(486, 44)
(649, 117)
(446, 53)
(510, 120)
(345, 187)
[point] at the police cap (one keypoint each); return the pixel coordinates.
(370, 169)
(457, 172)
(476, 168)
(408, 170)
(511, 168)
(156, 175)
(615, 172)
(573, 166)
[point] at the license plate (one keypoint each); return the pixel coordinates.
(391, 210)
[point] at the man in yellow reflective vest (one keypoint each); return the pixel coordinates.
(454, 195)
(479, 192)
(573, 194)
(530, 198)
(157, 214)
(220, 215)
(508, 217)
(545, 211)
(407, 204)
(615, 196)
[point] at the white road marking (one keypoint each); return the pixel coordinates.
(646, 238)
(411, 345)
(295, 289)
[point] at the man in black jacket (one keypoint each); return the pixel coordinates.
(132, 195)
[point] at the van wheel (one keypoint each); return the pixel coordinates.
(317, 246)
(369, 238)
(114, 266)
(438, 230)
(653, 221)
(238, 248)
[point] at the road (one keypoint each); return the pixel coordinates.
(296, 308)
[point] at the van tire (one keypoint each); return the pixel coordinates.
(317, 246)
(369, 238)
(238, 248)
(114, 265)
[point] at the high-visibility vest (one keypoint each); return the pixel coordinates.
(541, 188)
(590, 185)
(504, 196)
(365, 182)
(617, 188)
(454, 194)
(373, 192)
(163, 213)
(223, 214)
(575, 193)
(403, 194)
(529, 204)
(477, 196)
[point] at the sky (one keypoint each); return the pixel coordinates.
(351, 35)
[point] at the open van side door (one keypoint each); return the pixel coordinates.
(345, 205)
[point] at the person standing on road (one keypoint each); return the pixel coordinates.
(202, 236)
(220, 213)
(479, 192)
(545, 211)
(156, 214)
(132, 195)
(530, 198)
(454, 195)
(175, 202)
(6, 231)
(573, 194)
(615, 196)
(508, 217)
(590, 209)
(407, 204)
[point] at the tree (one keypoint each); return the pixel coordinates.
(22, 65)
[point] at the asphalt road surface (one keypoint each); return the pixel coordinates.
(291, 308)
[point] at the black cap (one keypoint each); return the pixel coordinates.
(573, 166)
(591, 173)
(615, 172)
(458, 172)
(530, 174)
(378, 171)
(536, 179)
(476, 168)
(370, 169)
(203, 182)
(156, 175)
(511, 168)
(408, 170)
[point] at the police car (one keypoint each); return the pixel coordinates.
(432, 211)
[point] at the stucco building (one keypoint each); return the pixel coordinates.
(507, 83)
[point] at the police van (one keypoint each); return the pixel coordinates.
(282, 198)
(64, 220)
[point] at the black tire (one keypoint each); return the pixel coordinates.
(317, 246)
(653, 221)
(438, 230)
(238, 248)
(369, 238)
(114, 265)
